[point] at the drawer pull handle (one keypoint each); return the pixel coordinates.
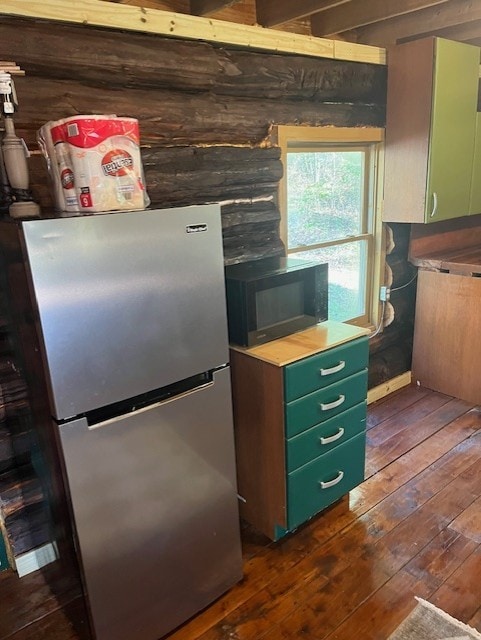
(331, 370)
(332, 483)
(325, 406)
(333, 438)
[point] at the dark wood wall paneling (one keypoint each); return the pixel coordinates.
(23, 515)
(205, 115)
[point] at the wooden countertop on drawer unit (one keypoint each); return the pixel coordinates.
(296, 346)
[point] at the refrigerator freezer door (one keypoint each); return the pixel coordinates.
(155, 508)
(127, 302)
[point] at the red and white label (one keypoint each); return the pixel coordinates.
(90, 132)
(117, 162)
(85, 197)
(67, 179)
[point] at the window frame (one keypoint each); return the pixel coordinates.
(371, 140)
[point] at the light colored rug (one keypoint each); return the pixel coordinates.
(427, 622)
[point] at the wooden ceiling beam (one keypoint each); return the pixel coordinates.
(358, 13)
(206, 7)
(423, 22)
(466, 32)
(271, 13)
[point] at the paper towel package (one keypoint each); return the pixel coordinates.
(94, 163)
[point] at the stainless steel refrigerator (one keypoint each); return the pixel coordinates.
(128, 311)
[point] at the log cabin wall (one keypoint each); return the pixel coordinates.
(205, 115)
(390, 352)
(204, 112)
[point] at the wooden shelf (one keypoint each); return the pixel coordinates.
(179, 25)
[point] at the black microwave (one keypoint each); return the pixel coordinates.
(273, 297)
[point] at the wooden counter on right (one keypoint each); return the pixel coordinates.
(447, 333)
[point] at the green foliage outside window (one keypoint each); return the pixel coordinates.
(325, 201)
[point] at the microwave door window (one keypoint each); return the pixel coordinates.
(279, 304)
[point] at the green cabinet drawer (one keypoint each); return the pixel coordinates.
(321, 482)
(325, 403)
(323, 369)
(324, 437)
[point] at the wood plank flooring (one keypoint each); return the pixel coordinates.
(412, 528)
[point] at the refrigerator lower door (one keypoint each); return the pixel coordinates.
(154, 502)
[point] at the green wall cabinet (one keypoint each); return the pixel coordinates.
(475, 203)
(430, 130)
(300, 420)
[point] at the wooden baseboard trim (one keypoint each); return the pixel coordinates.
(35, 559)
(384, 389)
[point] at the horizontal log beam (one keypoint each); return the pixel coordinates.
(245, 177)
(20, 487)
(28, 528)
(387, 364)
(400, 239)
(15, 444)
(234, 236)
(192, 176)
(246, 252)
(361, 12)
(387, 338)
(142, 19)
(241, 213)
(97, 56)
(109, 58)
(169, 118)
(402, 272)
(402, 302)
(281, 77)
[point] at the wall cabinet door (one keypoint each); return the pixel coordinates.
(430, 129)
(453, 126)
(475, 203)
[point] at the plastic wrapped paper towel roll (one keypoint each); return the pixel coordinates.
(97, 164)
(45, 142)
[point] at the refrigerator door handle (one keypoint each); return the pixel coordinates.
(148, 407)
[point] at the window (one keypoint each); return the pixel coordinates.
(330, 200)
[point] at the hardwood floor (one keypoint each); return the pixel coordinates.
(412, 528)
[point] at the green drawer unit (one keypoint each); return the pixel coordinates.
(300, 419)
(323, 437)
(325, 403)
(323, 369)
(321, 482)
